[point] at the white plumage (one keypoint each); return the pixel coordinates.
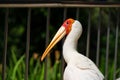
(79, 67)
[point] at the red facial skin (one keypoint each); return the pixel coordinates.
(68, 25)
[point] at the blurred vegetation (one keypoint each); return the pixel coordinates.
(17, 40)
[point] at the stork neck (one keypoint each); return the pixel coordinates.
(70, 46)
(70, 43)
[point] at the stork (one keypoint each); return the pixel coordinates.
(79, 67)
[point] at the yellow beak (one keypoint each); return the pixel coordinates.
(58, 36)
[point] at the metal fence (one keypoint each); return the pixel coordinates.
(78, 6)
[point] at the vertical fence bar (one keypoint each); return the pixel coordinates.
(62, 60)
(116, 45)
(47, 41)
(27, 43)
(65, 14)
(88, 33)
(77, 14)
(107, 48)
(5, 45)
(98, 39)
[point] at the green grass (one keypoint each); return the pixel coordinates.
(16, 68)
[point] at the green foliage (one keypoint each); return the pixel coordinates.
(16, 69)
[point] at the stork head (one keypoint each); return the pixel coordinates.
(64, 30)
(68, 25)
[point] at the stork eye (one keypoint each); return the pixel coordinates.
(67, 22)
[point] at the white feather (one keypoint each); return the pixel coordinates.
(78, 67)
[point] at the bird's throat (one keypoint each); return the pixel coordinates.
(69, 47)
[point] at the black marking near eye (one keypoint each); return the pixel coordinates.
(67, 22)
